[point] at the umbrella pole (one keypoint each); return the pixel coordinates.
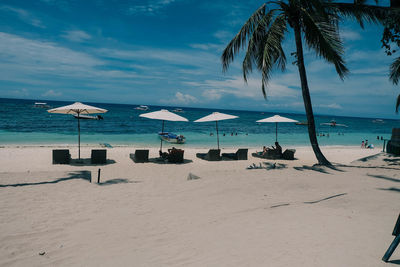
(162, 131)
(276, 132)
(216, 125)
(79, 138)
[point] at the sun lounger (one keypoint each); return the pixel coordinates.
(241, 154)
(140, 155)
(61, 156)
(175, 155)
(212, 155)
(99, 156)
(269, 155)
(289, 154)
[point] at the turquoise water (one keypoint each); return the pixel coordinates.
(21, 123)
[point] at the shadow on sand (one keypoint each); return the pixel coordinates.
(384, 177)
(87, 162)
(163, 161)
(117, 181)
(84, 175)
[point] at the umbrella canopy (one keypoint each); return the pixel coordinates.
(216, 116)
(77, 108)
(276, 119)
(163, 115)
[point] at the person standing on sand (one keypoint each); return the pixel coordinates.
(362, 144)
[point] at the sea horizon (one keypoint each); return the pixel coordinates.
(23, 124)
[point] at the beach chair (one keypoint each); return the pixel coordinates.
(61, 156)
(289, 154)
(212, 155)
(98, 156)
(271, 154)
(241, 154)
(140, 155)
(175, 155)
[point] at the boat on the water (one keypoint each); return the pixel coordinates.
(87, 117)
(178, 110)
(378, 121)
(172, 138)
(41, 105)
(333, 123)
(301, 123)
(142, 107)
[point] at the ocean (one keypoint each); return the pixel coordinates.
(23, 124)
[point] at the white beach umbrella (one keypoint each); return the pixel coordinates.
(77, 109)
(163, 115)
(216, 116)
(276, 119)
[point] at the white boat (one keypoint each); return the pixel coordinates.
(87, 117)
(142, 107)
(333, 123)
(41, 105)
(172, 138)
(178, 110)
(378, 121)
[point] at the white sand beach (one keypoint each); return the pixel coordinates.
(150, 214)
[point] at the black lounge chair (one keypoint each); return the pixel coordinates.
(140, 155)
(241, 154)
(61, 156)
(175, 155)
(99, 156)
(289, 154)
(212, 155)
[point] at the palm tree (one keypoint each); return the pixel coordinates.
(314, 20)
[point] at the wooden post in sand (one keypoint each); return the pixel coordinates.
(98, 176)
(395, 243)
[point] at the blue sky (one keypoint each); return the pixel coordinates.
(167, 52)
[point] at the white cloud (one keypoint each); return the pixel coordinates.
(212, 94)
(76, 36)
(329, 106)
(51, 93)
(24, 15)
(350, 35)
(21, 92)
(180, 99)
(152, 7)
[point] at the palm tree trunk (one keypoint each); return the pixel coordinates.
(306, 98)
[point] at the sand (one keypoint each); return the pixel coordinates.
(150, 214)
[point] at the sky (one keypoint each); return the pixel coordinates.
(167, 52)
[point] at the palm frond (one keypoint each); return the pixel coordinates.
(394, 74)
(360, 12)
(273, 52)
(398, 104)
(254, 42)
(323, 37)
(241, 37)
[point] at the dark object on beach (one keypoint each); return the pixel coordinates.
(289, 154)
(99, 156)
(192, 176)
(241, 154)
(140, 155)
(98, 176)
(61, 156)
(395, 243)
(42, 253)
(212, 155)
(393, 145)
(175, 155)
